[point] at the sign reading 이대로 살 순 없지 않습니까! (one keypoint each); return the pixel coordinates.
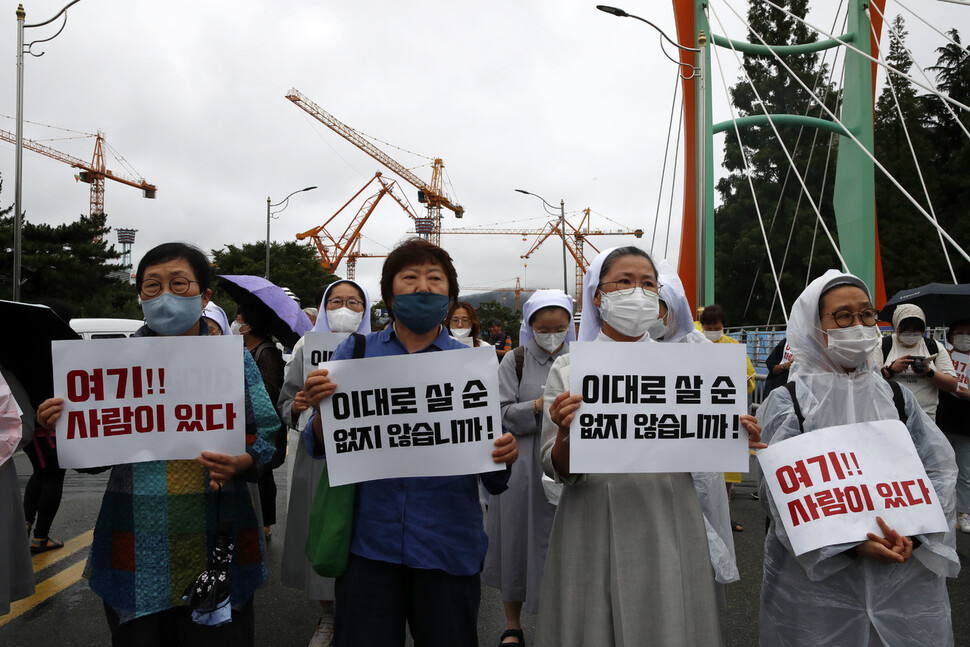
(148, 398)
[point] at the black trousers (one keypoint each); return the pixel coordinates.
(375, 600)
(175, 627)
(267, 497)
(42, 496)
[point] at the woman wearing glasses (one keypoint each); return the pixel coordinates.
(159, 519)
(345, 308)
(888, 590)
(628, 560)
(463, 324)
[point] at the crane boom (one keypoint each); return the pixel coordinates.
(93, 173)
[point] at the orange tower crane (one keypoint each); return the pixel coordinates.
(93, 173)
(430, 194)
(575, 241)
(333, 249)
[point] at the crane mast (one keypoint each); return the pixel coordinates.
(432, 195)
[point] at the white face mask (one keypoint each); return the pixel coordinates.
(461, 332)
(658, 329)
(550, 341)
(909, 339)
(713, 335)
(234, 327)
(630, 314)
(344, 320)
(961, 343)
(850, 347)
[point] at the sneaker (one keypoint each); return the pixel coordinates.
(963, 520)
(323, 636)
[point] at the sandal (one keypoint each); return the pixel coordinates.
(44, 544)
(736, 527)
(512, 633)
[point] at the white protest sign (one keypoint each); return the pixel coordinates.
(787, 356)
(319, 346)
(151, 398)
(650, 407)
(960, 361)
(425, 414)
(833, 497)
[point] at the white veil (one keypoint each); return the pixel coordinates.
(323, 324)
(543, 299)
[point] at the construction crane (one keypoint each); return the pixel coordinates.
(431, 194)
(333, 249)
(93, 173)
(517, 289)
(575, 241)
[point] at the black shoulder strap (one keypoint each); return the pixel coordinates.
(887, 345)
(519, 354)
(259, 349)
(898, 400)
(932, 346)
(798, 410)
(360, 345)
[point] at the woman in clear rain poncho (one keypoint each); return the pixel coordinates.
(676, 326)
(628, 559)
(870, 592)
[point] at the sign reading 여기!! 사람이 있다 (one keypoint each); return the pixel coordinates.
(423, 414)
(653, 407)
(833, 496)
(148, 398)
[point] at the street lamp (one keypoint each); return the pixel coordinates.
(269, 215)
(19, 155)
(562, 231)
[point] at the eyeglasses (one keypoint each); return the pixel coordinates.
(626, 286)
(460, 320)
(845, 318)
(337, 302)
(152, 287)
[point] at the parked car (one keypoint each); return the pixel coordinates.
(98, 328)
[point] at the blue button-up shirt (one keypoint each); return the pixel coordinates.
(430, 522)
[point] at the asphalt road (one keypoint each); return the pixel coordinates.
(65, 612)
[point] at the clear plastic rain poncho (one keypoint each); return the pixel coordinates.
(825, 597)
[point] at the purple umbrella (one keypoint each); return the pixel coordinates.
(289, 322)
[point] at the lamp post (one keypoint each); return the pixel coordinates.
(269, 215)
(19, 154)
(698, 73)
(562, 231)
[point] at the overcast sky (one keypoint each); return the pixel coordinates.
(550, 96)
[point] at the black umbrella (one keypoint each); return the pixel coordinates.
(28, 355)
(943, 303)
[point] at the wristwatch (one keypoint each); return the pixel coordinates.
(930, 373)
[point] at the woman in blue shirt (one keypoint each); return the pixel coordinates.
(418, 543)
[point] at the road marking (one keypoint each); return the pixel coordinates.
(51, 557)
(46, 589)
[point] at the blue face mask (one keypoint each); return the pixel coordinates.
(169, 314)
(420, 312)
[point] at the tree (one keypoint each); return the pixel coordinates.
(743, 280)
(293, 265)
(508, 317)
(71, 262)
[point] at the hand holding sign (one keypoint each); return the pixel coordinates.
(893, 548)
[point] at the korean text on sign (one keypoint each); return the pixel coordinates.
(144, 399)
(651, 407)
(827, 497)
(960, 361)
(319, 346)
(426, 414)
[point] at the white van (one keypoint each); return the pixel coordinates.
(97, 328)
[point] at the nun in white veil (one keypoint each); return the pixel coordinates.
(628, 560)
(855, 593)
(295, 569)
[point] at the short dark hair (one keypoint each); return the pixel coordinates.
(619, 253)
(258, 318)
(963, 321)
(165, 252)
(713, 314)
(416, 251)
(494, 322)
